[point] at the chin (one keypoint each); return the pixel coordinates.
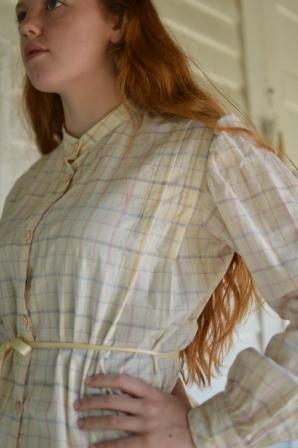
(43, 85)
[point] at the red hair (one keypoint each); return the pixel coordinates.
(153, 73)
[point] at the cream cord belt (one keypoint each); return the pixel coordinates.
(25, 347)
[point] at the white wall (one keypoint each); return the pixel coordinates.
(18, 150)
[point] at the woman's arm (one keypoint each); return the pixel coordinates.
(251, 206)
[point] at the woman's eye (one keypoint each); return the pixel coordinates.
(54, 1)
(20, 15)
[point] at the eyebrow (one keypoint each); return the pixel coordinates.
(18, 5)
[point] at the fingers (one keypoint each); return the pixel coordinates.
(125, 442)
(133, 386)
(120, 403)
(119, 422)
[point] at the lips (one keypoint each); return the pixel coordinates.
(34, 53)
(33, 47)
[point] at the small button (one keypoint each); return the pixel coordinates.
(18, 407)
(25, 321)
(28, 236)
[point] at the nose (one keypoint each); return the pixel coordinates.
(28, 29)
(30, 25)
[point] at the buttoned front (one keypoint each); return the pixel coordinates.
(18, 407)
(25, 321)
(67, 276)
(28, 236)
(96, 248)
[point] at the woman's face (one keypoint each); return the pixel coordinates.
(76, 34)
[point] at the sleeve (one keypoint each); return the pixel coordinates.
(254, 202)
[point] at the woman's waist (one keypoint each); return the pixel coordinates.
(75, 361)
(24, 348)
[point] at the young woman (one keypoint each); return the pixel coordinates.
(135, 244)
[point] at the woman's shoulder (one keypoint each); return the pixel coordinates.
(20, 184)
(229, 149)
(33, 169)
(179, 129)
(177, 137)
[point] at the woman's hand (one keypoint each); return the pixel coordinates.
(156, 418)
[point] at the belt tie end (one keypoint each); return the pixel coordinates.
(17, 344)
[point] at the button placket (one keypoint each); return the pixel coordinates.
(72, 157)
(69, 161)
(78, 148)
(25, 322)
(18, 407)
(28, 236)
(24, 319)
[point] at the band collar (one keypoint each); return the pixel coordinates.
(72, 146)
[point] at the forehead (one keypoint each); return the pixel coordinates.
(23, 3)
(19, 5)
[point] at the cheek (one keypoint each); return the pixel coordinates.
(83, 45)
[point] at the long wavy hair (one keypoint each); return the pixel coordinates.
(153, 73)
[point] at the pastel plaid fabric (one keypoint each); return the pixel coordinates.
(83, 259)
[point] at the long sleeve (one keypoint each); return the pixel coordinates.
(253, 208)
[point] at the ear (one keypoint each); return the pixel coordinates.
(119, 28)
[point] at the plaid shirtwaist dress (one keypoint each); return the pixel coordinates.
(81, 262)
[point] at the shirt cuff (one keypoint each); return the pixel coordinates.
(211, 425)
